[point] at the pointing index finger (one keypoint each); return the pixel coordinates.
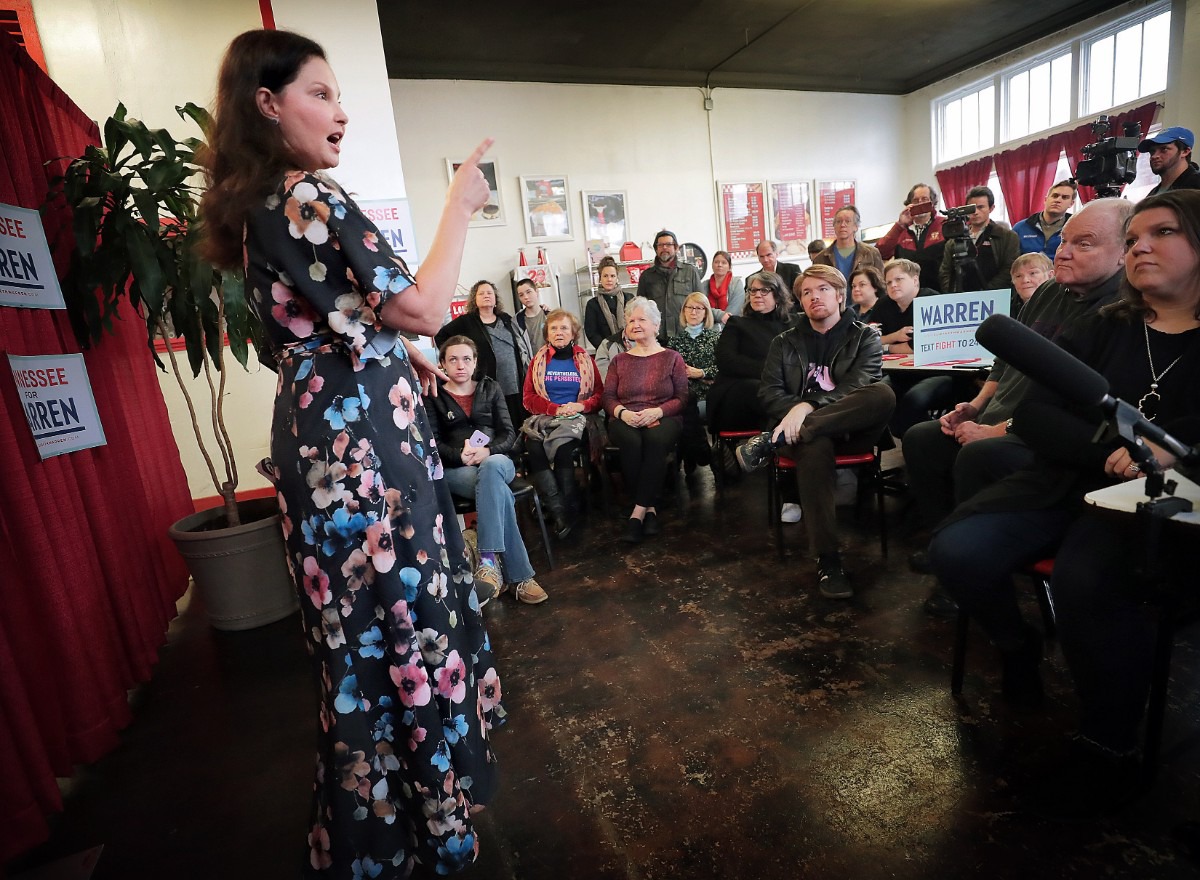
(480, 150)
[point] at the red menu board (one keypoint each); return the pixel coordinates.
(789, 212)
(743, 217)
(833, 195)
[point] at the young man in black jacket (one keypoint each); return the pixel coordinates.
(821, 384)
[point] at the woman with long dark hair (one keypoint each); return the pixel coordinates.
(1147, 346)
(408, 686)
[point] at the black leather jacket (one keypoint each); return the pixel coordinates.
(856, 360)
(451, 426)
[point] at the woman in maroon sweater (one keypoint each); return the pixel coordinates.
(644, 395)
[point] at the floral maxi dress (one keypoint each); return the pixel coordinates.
(409, 689)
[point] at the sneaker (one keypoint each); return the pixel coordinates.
(791, 513)
(755, 452)
(831, 578)
(635, 531)
(530, 592)
(487, 584)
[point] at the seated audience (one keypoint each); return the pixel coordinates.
(697, 343)
(503, 348)
(1150, 340)
(562, 387)
(532, 316)
(847, 253)
(916, 395)
(866, 289)
(726, 293)
(462, 408)
(949, 460)
(768, 258)
(644, 395)
(821, 387)
(733, 403)
(1029, 272)
(605, 312)
(917, 236)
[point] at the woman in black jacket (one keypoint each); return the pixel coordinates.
(503, 348)
(473, 433)
(733, 403)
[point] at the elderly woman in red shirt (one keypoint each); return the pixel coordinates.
(644, 395)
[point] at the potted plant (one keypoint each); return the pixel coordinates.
(134, 202)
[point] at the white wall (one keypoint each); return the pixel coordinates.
(654, 143)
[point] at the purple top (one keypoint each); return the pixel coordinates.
(639, 383)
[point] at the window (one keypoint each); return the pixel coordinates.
(1114, 66)
(1128, 63)
(967, 122)
(1038, 97)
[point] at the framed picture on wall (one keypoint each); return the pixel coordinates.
(544, 204)
(743, 217)
(832, 196)
(791, 215)
(605, 218)
(491, 214)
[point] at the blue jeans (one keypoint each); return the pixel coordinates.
(496, 510)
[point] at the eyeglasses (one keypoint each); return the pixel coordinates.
(693, 308)
(759, 291)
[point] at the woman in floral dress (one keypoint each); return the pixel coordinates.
(408, 686)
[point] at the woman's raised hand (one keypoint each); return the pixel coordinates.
(469, 187)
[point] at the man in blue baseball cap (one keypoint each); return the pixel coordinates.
(1171, 159)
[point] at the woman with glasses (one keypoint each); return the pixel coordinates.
(733, 403)
(696, 341)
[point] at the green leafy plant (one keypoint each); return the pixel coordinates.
(134, 203)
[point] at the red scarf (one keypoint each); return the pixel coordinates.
(718, 294)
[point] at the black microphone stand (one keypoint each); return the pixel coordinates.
(1127, 423)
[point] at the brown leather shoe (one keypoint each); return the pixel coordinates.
(530, 592)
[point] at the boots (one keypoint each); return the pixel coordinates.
(546, 487)
(568, 491)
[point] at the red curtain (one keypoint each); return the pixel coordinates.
(1072, 142)
(88, 577)
(1026, 173)
(957, 182)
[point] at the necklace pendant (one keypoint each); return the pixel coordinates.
(1148, 405)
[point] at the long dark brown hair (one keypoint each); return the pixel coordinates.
(1185, 205)
(783, 297)
(246, 155)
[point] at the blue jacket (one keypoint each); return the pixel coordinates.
(1029, 231)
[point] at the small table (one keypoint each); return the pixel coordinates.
(1124, 497)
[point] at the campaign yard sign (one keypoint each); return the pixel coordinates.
(57, 398)
(394, 219)
(27, 276)
(944, 326)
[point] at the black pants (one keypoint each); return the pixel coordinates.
(644, 454)
(563, 464)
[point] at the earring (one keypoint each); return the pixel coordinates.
(274, 120)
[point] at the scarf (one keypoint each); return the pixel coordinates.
(693, 330)
(537, 368)
(602, 298)
(718, 294)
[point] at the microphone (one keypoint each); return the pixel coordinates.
(1042, 361)
(1047, 364)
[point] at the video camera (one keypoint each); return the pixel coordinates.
(955, 225)
(1110, 162)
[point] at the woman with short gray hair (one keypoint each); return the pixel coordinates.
(644, 395)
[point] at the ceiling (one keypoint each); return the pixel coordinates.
(890, 48)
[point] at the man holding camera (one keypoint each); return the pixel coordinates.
(984, 252)
(1043, 231)
(1171, 159)
(917, 235)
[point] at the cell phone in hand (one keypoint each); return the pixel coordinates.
(479, 439)
(916, 209)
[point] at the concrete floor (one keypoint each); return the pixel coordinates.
(687, 708)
